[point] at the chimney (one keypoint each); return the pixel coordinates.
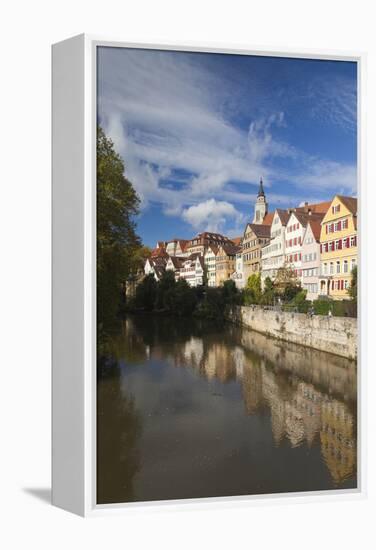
(306, 207)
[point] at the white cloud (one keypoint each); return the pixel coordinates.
(168, 118)
(212, 215)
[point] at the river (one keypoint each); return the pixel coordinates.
(192, 409)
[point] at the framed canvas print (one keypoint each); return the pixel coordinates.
(207, 275)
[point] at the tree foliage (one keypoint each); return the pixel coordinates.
(252, 294)
(146, 293)
(181, 299)
(353, 289)
(117, 242)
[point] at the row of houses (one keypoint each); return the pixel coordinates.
(318, 242)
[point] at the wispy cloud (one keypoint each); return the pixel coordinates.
(167, 114)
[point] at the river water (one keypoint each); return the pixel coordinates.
(189, 409)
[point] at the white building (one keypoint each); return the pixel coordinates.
(175, 263)
(156, 266)
(209, 260)
(238, 275)
(311, 260)
(295, 231)
(273, 254)
(192, 270)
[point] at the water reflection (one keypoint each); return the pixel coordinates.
(305, 399)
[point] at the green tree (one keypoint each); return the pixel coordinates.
(146, 293)
(252, 294)
(268, 296)
(181, 299)
(166, 283)
(286, 283)
(230, 292)
(117, 241)
(353, 289)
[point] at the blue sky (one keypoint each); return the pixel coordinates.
(196, 131)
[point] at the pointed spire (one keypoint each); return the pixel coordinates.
(261, 192)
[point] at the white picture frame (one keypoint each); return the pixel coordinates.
(74, 278)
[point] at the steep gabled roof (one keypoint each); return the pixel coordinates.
(305, 217)
(237, 241)
(351, 203)
(283, 215)
(316, 228)
(177, 261)
(268, 220)
(158, 261)
(260, 230)
(317, 208)
(159, 252)
(230, 249)
(213, 248)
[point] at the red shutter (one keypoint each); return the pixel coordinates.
(320, 248)
(355, 240)
(340, 245)
(326, 229)
(346, 223)
(341, 284)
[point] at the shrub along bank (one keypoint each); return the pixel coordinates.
(177, 298)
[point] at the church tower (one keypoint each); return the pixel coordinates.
(261, 206)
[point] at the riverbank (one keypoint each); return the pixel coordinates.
(337, 335)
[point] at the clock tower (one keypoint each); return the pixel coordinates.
(261, 206)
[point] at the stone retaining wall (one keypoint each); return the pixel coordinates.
(336, 335)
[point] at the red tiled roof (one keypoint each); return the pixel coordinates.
(260, 230)
(283, 215)
(177, 261)
(316, 228)
(230, 249)
(305, 217)
(268, 219)
(159, 252)
(351, 203)
(237, 240)
(317, 208)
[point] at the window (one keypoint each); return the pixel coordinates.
(331, 267)
(345, 266)
(338, 267)
(353, 263)
(346, 284)
(353, 241)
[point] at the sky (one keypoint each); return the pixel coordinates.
(196, 132)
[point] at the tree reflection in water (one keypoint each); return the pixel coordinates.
(118, 432)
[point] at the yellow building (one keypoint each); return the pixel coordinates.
(338, 247)
(225, 262)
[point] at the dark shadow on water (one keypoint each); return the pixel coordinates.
(41, 493)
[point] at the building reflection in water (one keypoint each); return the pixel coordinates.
(306, 397)
(310, 395)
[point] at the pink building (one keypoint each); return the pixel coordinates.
(311, 259)
(294, 235)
